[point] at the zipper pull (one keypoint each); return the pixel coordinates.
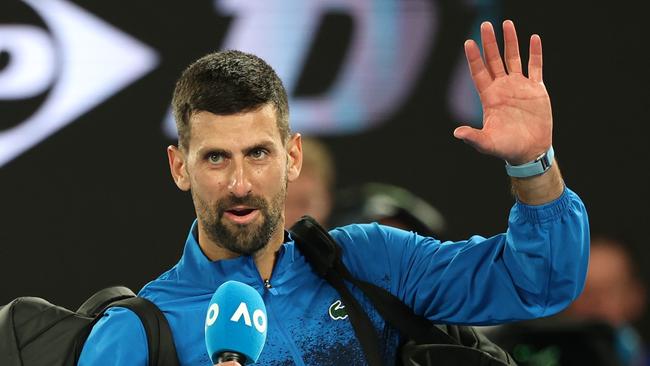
(269, 287)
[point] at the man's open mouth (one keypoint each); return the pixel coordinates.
(241, 212)
(241, 215)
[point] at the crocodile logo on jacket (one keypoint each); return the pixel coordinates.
(337, 311)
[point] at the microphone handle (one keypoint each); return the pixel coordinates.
(231, 356)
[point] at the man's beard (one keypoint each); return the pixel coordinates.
(243, 239)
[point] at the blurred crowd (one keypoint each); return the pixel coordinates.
(600, 328)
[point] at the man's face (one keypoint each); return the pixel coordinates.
(237, 169)
(308, 195)
(612, 292)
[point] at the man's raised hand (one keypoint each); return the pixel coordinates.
(517, 119)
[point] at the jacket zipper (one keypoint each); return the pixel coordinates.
(295, 353)
(269, 292)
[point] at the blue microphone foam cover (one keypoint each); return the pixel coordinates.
(236, 322)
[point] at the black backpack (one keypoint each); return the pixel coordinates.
(427, 343)
(565, 341)
(34, 332)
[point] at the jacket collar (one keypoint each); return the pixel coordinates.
(195, 267)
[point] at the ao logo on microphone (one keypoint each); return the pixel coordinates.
(58, 63)
(258, 318)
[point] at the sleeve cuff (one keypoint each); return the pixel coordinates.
(548, 211)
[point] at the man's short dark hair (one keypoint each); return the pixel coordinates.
(225, 83)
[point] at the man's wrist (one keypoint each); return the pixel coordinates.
(536, 167)
(540, 189)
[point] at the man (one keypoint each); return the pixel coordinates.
(614, 292)
(597, 328)
(311, 194)
(236, 156)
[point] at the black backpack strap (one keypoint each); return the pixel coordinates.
(401, 317)
(360, 322)
(324, 254)
(96, 304)
(324, 257)
(162, 351)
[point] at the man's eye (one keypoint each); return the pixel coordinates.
(215, 158)
(258, 154)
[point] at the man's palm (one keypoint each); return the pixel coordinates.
(517, 119)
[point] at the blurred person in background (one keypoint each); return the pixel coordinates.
(615, 293)
(311, 194)
(597, 328)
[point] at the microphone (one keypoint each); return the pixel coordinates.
(235, 325)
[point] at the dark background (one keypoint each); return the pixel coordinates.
(94, 205)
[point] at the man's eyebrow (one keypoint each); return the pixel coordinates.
(267, 145)
(211, 150)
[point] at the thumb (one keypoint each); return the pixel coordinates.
(468, 134)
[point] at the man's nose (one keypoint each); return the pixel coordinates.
(239, 184)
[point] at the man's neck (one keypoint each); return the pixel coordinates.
(264, 258)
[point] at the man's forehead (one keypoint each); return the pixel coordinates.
(245, 128)
(267, 107)
(265, 111)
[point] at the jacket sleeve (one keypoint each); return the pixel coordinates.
(534, 269)
(117, 339)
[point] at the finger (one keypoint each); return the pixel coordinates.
(491, 51)
(511, 45)
(480, 74)
(535, 59)
(472, 136)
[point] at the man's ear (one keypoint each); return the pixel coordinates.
(177, 167)
(294, 153)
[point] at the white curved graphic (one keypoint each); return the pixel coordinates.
(32, 62)
(97, 60)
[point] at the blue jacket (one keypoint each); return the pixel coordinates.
(535, 269)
